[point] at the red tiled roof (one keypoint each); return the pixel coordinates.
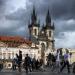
(15, 39)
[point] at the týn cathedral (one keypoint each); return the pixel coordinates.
(39, 44)
(42, 38)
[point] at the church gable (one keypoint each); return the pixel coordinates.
(24, 46)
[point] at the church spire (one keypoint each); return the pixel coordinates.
(48, 18)
(33, 16)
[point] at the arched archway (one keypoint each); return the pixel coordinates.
(43, 52)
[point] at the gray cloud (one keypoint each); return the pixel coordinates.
(64, 26)
(16, 22)
(59, 8)
(1, 7)
(1, 2)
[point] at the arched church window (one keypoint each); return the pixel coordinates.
(49, 33)
(35, 31)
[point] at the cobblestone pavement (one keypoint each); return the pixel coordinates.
(34, 73)
(47, 72)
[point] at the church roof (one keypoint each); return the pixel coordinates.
(11, 38)
(16, 39)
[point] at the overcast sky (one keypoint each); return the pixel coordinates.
(15, 14)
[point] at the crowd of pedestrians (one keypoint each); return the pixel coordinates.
(57, 61)
(60, 61)
(29, 64)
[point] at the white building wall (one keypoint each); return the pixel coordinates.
(31, 52)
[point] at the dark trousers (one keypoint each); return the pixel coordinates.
(1, 67)
(14, 67)
(19, 67)
(66, 63)
(74, 69)
(28, 67)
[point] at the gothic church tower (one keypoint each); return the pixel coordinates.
(49, 28)
(44, 37)
(34, 26)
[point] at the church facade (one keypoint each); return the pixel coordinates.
(39, 44)
(42, 37)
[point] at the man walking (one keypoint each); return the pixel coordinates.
(58, 60)
(66, 62)
(19, 60)
(27, 63)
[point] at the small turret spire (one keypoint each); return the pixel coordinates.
(48, 18)
(33, 16)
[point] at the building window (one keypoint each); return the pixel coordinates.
(4, 55)
(13, 55)
(49, 33)
(0, 55)
(9, 56)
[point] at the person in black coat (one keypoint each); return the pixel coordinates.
(19, 60)
(27, 63)
(53, 59)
